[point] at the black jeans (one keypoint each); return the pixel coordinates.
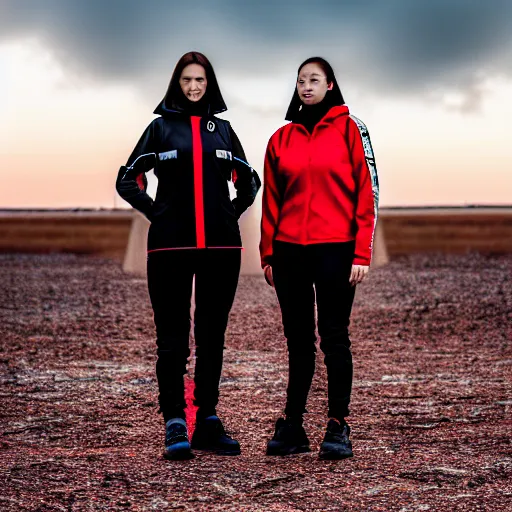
(299, 271)
(170, 278)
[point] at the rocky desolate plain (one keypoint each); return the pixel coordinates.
(431, 405)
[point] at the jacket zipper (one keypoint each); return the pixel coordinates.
(305, 236)
(197, 156)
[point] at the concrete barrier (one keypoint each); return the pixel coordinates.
(102, 232)
(135, 256)
(448, 230)
(121, 234)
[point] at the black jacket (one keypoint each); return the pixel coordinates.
(193, 158)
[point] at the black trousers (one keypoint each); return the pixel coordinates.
(301, 273)
(170, 278)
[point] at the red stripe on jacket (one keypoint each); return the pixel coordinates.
(317, 187)
(197, 150)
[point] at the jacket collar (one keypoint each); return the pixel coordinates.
(334, 114)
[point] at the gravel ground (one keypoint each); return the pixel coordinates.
(431, 403)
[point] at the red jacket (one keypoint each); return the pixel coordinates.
(320, 187)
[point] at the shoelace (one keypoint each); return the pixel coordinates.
(340, 436)
(176, 434)
(285, 427)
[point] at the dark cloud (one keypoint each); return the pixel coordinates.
(392, 46)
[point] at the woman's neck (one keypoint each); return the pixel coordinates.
(310, 115)
(195, 108)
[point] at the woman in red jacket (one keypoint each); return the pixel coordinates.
(320, 203)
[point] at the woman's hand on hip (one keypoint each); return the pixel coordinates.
(268, 275)
(358, 273)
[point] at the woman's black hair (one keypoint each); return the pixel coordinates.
(334, 95)
(174, 99)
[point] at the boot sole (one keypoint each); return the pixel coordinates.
(179, 453)
(218, 452)
(287, 450)
(334, 455)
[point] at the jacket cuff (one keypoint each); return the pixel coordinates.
(266, 260)
(359, 260)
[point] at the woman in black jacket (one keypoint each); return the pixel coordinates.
(194, 232)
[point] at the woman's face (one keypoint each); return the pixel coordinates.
(312, 84)
(193, 82)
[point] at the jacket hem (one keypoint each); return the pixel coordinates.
(338, 239)
(197, 248)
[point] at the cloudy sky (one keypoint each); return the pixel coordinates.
(432, 79)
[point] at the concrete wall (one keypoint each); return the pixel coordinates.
(106, 233)
(448, 230)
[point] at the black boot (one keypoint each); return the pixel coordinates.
(289, 438)
(177, 446)
(210, 436)
(336, 444)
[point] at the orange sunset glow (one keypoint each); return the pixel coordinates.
(65, 132)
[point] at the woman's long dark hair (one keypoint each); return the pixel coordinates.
(334, 96)
(175, 100)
